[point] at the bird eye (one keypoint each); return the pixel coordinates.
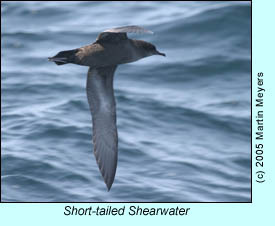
(152, 47)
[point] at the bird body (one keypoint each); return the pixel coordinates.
(104, 53)
(111, 48)
(101, 54)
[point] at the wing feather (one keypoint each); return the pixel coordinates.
(130, 29)
(102, 105)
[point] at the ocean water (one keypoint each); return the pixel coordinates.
(183, 121)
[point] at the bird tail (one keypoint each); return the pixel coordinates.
(64, 57)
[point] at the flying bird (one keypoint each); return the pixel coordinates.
(111, 48)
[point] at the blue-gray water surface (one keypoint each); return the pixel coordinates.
(183, 121)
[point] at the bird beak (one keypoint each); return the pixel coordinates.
(159, 53)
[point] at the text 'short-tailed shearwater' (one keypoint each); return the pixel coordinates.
(111, 48)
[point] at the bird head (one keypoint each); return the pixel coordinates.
(150, 49)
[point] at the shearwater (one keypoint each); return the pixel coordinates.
(111, 48)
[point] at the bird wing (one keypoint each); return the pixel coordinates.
(120, 33)
(130, 29)
(101, 99)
